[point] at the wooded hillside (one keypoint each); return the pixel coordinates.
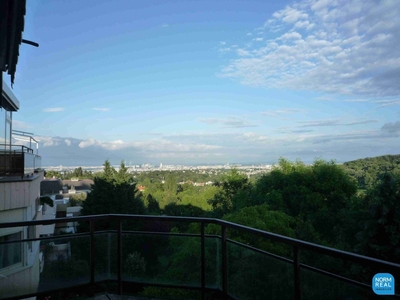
(367, 170)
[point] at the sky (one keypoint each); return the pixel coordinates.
(207, 82)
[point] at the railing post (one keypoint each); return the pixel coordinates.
(296, 266)
(119, 237)
(92, 253)
(224, 263)
(203, 263)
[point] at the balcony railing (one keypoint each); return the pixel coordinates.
(216, 260)
(17, 160)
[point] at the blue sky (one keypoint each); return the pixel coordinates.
(210, 81)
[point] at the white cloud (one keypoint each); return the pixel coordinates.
(290, 15)
(49, 141)
(281, 112)
(165, 25)
(335, 122)
(53, 109)
(231, 122)
(290, 35)
(346, 47)
(226, 49)
(101, 108)
(258, 39)
(389, 102)
(242, 52)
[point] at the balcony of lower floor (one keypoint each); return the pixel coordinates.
(18, 162)
(160, 257)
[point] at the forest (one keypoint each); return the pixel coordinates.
(329, 204)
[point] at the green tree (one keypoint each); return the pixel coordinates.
(380, 236)
(51, 174)
(316, 193)
(152, 205)
(113, 193)
(234, 188)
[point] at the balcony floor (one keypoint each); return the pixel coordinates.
(119, 297)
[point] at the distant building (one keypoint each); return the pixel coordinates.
(81, 185)
(51, 187)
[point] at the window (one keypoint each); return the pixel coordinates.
(10, 254)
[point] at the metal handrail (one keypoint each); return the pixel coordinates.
(29, 138)
(24, 149)
(297, 245)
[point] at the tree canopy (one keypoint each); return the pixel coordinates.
(114, 192)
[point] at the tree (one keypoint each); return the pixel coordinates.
(113, 193)
(152, 205)
(315, 193)
(51, 174)
(381, 235)
(234, 186)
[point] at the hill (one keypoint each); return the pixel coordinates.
(367, 170)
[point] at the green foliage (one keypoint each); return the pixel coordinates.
(260, 217)
(51, 174)
(315, 193)
(77, 199)
(381, 235)
(152, 205)
(186, 210)
(46, 200)
(234, 187)
(135, 265)
(113, 193)
(366, 171)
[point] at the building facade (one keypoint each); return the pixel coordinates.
(20, 177)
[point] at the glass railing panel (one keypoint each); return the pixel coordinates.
(162, 259)
(213, 262)
(66, 262)
(105, 256)
(253, 275)
(38, 162)
(29, 163)
(315, 286)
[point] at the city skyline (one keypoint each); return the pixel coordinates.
(205, 83)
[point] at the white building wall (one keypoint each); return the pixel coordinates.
(19, 202)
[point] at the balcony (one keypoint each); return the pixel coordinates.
(16, 160)
(156, 256)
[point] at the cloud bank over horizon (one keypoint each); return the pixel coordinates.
(220, 148)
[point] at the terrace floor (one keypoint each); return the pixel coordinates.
(118, 297)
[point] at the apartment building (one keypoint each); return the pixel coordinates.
(20, 170)
(20, 177)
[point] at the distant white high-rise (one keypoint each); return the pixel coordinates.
(160, 165)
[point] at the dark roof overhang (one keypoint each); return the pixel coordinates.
(12, 14)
